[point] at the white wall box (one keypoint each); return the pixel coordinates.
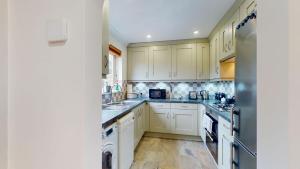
(57, 30)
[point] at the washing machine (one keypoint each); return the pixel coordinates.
(110, 147)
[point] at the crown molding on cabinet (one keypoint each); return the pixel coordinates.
(171, 42)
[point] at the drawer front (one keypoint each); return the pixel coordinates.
(184, 106)
(160, 105)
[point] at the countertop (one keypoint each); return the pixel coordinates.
(109, 116)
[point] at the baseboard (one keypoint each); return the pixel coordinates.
(173, 136)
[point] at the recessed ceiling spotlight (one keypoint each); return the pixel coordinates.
(149, 36)
(196, 32)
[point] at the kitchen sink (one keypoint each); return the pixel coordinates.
(118, 105)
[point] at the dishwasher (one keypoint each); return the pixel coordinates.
(126, 141)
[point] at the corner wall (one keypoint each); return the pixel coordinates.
(3, 83)
(278, 84)
(54, 90)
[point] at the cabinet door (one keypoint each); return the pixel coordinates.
(184, 62)
(223, 41)
(160, 63)
(140, 125)
(138, 63)
(184, 122)
(233, 22)
(147, 116)
(226, 153)
(159, 120)
(136, 129)
(105, 39)
(247, 7)
(224, 144)
(201, 130)
(202, 61)
(214, 57)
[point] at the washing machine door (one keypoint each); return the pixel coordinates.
(107, 157)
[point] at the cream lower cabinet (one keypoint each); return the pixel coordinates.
(173, 118)
(201, 130)
(202, 61)
(184, 122)
(160, 66)
(138, 63)
(160, 120)
(139, 124)
(184, 62)
(224, 144)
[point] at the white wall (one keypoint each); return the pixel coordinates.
(3, 84)
(294, 83)
(278, 84)
(54, 90)
(118, 41)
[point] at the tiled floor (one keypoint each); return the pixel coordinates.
(156, 153)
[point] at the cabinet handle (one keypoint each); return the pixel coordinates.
(173, 116)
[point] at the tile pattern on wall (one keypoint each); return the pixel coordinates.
(182, 89)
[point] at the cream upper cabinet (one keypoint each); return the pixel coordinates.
(160, 65)
(227, 37)
(203, 61)
(138, 63)
(247, 7)
(214, 57)
(105, 39)
(231, 40)
(184, 62)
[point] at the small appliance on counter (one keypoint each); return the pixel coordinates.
(132, 95)
(157, 94)
(193, 95)
(219, 96)
(204, 95)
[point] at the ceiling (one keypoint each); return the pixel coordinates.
(133, 20)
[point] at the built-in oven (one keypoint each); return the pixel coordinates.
(212, 134)
(157, 93)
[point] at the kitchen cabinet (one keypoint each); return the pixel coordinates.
(184, 62)
(160, 65)
(173, 118)
(246, 8)
(214, 57)
(227, 37)
(138, 63)
(201, 130)
(105, 38)
(202, 61)
(160, 119)
(184, 121)
(126, 141)
(224, 144)
(139, 124)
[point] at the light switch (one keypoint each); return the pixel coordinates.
(57, 30)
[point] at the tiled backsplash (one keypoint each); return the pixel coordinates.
(181, 89)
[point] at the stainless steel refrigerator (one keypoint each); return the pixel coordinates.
(244, 112)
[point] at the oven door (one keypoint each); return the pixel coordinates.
(212, 139)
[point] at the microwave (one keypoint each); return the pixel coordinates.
(157, 93)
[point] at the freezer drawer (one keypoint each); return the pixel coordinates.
(242, 158)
